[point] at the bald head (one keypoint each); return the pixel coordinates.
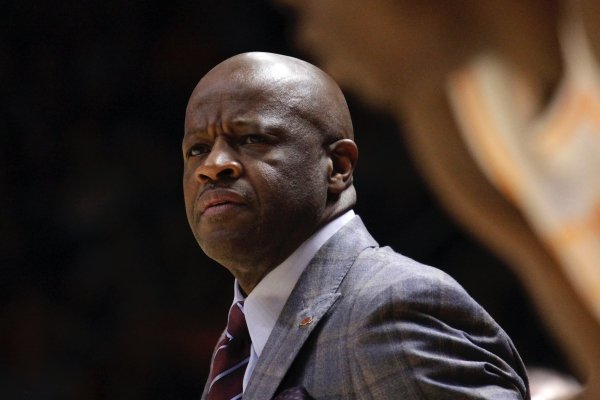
(295, 84)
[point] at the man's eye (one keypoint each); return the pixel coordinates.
(253, 139)
(198, 150)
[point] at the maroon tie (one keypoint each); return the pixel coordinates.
(231, 358)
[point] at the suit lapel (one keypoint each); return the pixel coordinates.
(316, 291)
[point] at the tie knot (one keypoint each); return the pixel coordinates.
(236, 324)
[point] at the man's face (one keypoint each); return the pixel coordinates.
(255, 172)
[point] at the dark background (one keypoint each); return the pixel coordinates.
(103, 292)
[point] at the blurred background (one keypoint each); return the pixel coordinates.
(104, 293)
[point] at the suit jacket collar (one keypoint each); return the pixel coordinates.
(316, 291)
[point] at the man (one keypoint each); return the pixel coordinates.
(268, 162)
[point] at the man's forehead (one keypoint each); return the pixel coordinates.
(274, 85)
(239, 100)
(230, 90)
(244, 106)
(238, 86)
(255, 93)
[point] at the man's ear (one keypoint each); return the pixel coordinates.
(343, 155)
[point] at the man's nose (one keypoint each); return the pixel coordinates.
(221, 163)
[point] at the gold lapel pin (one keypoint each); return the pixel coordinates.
(306, 321)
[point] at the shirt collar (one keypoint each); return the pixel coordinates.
(264, 304)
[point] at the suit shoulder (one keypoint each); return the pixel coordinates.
(380, 277)
(380, 267)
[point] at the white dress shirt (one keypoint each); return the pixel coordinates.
(264, 304)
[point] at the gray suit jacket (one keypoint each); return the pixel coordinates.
(364, 322)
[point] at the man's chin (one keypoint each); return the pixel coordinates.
(228, 242)
(224, 220)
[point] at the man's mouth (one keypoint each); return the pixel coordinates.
(219, 205)
(219, 200)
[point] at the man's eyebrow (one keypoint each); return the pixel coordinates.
(267, 125)
(243, 122)
(235, 124)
